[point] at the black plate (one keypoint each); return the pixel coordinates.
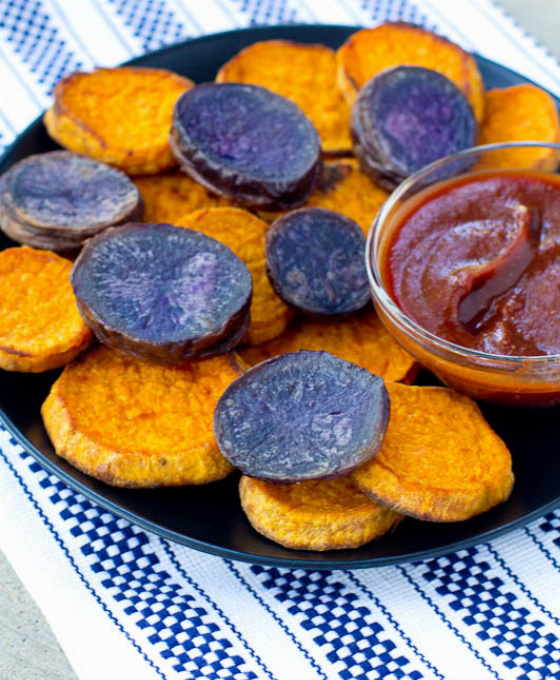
(209, 518)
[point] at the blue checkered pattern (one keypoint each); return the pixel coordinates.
(486, 603)
(268, 11)
(184, 631)
(550, 525)
(172, 619)
(394, 10)
(33, 35)
(345, 630)
(152, 22)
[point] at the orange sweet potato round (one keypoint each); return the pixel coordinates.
(342, 187)
(520, 113)
(306, 74)
(440, 460)
(372, 50)
(135, 424)
(170, 197)
(361, 339)
(244, 233)
(314, 515)
(40, 327)
(120, 116)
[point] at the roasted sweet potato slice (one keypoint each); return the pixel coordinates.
(244, 233)
(302, 416)
(162, 293)
(316, 515)
(372, 50)
(440, 460)
(407, 117)
(169, 197)
(120, 116)
(361, 339)
(246, 143)
(58, 200)
(41, 327)
(344, 188)
(135, 424)
(520, 113)
(306, 74)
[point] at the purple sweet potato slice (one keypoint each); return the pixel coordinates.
(246, 143)
(162, 293)
(315, 262)
(302, 416)
(57, 200)
(407, 117)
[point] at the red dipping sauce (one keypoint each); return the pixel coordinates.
(476, 261)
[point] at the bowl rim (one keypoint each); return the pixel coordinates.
(382, 297)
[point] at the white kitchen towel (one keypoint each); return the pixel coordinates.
(128, 605)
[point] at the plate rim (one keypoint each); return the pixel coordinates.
(226, 552)
(229, 553)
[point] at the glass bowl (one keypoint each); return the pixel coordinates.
(510, 380)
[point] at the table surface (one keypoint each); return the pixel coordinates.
(28, 649)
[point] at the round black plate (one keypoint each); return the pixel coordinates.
(209, 518)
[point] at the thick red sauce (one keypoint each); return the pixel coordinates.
(476, 261)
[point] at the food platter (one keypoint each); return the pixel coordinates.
(209, 518)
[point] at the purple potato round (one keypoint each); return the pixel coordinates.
(407, 117)
(315, 260)
(162, 293)
(246, 143)
(302, 416)
(57, 200)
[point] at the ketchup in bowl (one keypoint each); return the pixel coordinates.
(465, 273)
(476, 261)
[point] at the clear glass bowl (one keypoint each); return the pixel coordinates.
(511, 380)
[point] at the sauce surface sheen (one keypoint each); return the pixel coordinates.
(476, 261)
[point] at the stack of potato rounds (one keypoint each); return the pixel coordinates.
(147, 271)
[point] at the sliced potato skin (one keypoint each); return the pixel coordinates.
(139, 425)
(372, 50)
(315, 515)
(120, 116)
(440, 461)
(306, 74)
(52, 215)
(520, 113)
(41, 327)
